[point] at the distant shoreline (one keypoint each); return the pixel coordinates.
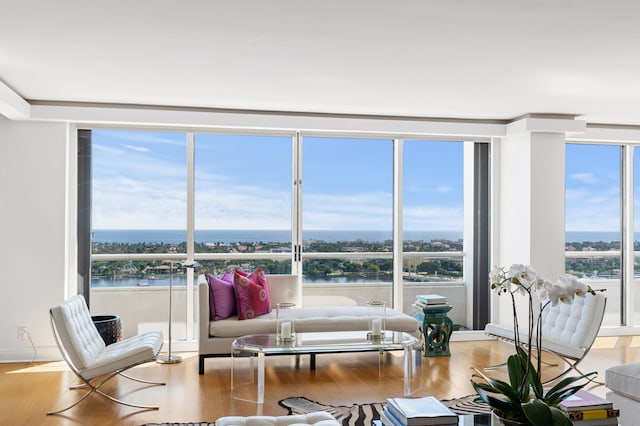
(284, 236)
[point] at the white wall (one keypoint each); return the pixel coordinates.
(33, 170)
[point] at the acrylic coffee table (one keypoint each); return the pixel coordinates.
(260, 345)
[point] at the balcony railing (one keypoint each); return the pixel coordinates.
(144, 307)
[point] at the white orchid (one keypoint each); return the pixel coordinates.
(524, 397)
(558, 293)
(543, 289)
(573, 285)
(523, 275)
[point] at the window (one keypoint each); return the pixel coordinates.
(139, 212)
(433, 219)
(347, 218)
(243, 202)
(316, 205)
(593, 220)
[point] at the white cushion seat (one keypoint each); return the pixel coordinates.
(623, 382)
(134, 350)
(624, 379)
(316, 418)
(314, 319)
(560, 347)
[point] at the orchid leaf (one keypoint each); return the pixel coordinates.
(494, 402)
(537, 412)
(516, 372)
(559, 418)
(563, 390)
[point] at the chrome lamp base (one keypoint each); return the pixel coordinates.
(168, 359)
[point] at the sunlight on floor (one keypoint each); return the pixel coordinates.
(56, 366)
(605, 343)
(47, 367)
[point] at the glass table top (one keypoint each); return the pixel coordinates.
(325, 342)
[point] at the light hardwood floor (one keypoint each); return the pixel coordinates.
(28, 391)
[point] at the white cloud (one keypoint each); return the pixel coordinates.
(587, 177)
(137, 148)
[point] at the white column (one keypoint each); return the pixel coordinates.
(529, 196)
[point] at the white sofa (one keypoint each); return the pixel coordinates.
(215, 337)
(623, 382)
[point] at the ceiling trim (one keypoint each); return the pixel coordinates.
(12, 105)
(188, 118)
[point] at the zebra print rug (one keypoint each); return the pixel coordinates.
(364, 414)
(353, 415)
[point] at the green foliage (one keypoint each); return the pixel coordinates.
(524, 398)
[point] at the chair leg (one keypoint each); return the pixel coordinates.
(573, 366)
(97, 390)
(495, 366)
(147, 382)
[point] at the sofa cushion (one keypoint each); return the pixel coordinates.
(252, 294)
(625, 379)
(315, 319)
(222, 299)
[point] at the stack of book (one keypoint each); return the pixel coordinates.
(424, 300)
(586, 409)
(416, 412)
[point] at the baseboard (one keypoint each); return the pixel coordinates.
(47, 353)
(466, 335)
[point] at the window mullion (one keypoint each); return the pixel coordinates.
(627, 243)
(398, 259)
(190, 233)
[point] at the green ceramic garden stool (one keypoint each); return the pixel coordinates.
(437, 328)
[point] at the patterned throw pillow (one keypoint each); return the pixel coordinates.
(222, 298)
(252, 293)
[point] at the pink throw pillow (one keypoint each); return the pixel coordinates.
(222, 299)
(252, 293)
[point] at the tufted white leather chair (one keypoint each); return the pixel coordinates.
(568, 330)
(317, 418)
(87, 355)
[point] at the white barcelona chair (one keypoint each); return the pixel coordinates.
(568, 330)
(90, 359)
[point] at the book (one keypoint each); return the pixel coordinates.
(598, 413)
(420, 411)
(387, 418)
(584, 400)
(596, 422)
(432, 299)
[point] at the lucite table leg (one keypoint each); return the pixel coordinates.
(260, 377)
(408, 368)
(233, 368)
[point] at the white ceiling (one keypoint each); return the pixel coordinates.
(490, 59)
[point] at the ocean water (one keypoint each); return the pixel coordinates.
(257, 236)
(284, 236)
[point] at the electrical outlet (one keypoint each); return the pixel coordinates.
(23, 333)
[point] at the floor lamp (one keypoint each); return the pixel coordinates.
(170, 358)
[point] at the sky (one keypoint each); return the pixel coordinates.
(592, 187)
(244, 182)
